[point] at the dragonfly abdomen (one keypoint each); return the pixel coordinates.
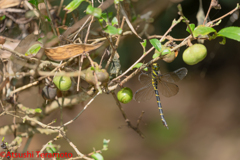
(154, 83)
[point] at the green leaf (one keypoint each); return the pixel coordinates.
(90, 9)
(223, 41)
(50, 145)
(38, 110)
(156, 54)
(34, 2)
(114, 21)
(144, 44)
(73, 5)
(165, 51)
(117, 1)
(33, 50)
(138, 65)
(3, 138)
(230, 32)
(97, 156)
(48, 19)
(105, 17)
(2, 17)
(105, 144)
(119, 30)
(96, 12)
(202, 30)
(192, 27)
(156, 44)
(111, 30)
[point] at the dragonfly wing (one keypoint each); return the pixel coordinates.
(175, 76)
(168, 89)
(144, 78)
(144, 93)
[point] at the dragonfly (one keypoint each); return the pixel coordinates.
(155, 81)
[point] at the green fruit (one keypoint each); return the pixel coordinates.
(125, 95)
(194, 54)
(63, 83)
(97, 156)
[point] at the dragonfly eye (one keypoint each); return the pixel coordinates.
(155, 66)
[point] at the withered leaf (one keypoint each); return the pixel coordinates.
(70, 50)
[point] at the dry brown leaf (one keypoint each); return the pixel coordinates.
(9, 3)
(70, 50)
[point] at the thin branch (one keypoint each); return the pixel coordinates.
(50, 17)
(69, 122)
(136, 129)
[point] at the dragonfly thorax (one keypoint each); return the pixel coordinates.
(155, 67)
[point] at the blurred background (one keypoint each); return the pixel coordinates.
(203, 118)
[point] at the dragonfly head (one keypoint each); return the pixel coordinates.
(155, 67)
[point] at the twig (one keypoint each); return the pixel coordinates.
(50, 17)
(79, 72)
(113, 47)
(136, 129)
(209, 9)
(229, 13)
(60, 7)
(94, 73)
(69, 122)
(75, 148)
(185, 19)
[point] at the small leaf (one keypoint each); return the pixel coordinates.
(111, 30)
(97, 156)
(47, 18)
(119, 30)
(34, 2)
(38, 110)
(105, 17)
(117, 1)
(3, 138)
(144, 44)
(2, 17)
(202, 30)
(33, 50)
(223, 41)
(90, 9)
(192, 27)
(165, 51)
(105, 144)
(110, 15)
(230, 32)
(96, 12)
(156, 44)
(218, 22)
(73, 5)
(156, 54)
(145, 69)
(114, 21)
(138, 65)
(50, 145)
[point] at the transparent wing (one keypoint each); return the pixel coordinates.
(168, 89)
(174, 76)
(144, 94)
(145, 78)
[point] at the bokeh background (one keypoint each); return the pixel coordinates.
(203, 118)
